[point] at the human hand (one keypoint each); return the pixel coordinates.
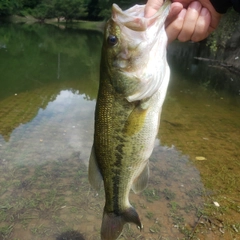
(187, 20)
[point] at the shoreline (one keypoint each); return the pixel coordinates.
(78, 24)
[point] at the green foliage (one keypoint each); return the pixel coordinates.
(30, 3)
(93, 9)
(44, 10)
(105, 13)
(227, 25)
(68, 9)
(105, 6)
(8, 7)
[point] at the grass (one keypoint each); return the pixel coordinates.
(34, 197)
(209, 130)
(50, 198)
(168, 194)
(37, 200)
(213, 218)
(151, 194)
(55, 197)
(150, 215)
(155, 229)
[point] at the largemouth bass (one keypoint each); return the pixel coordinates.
(134, 76)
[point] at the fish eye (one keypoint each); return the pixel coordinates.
(112, 40)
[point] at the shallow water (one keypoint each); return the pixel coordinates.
(48, 87)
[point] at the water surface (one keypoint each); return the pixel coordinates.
(48, 87)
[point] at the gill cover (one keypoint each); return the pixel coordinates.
(142, 57)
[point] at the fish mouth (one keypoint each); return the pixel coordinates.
(133, 18)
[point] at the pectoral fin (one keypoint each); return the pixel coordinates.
(141, 182)
(135, 121)
(94, 175)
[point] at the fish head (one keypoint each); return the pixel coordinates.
(133, 49)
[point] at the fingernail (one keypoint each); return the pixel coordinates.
(182, 14)
(204, 12)
(195, 5)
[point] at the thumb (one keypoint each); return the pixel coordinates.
(152, 7)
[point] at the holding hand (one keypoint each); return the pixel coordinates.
(187, 20)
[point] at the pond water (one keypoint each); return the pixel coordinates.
(48, 87)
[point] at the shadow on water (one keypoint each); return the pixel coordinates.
(48, 88)
(219, 70)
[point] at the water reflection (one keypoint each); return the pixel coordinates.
(43, 60)
(55, 132)
(187, 58)
(44, 179)
(46, 130)
(36, 54)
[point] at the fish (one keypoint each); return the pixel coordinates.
(134, 76)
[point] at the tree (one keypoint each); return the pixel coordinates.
(93, 9)
(70, 9)
(44, 10)
(228, 24)
(8, 7)
(105, 6)
(30, 3)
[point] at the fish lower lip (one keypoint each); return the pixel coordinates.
(121, 63)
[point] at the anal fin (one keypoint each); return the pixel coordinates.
(94, 175)
(141, 182)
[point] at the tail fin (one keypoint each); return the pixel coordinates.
(112, 224)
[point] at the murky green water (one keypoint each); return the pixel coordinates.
(48, 87)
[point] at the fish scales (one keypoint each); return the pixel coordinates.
(134, 75)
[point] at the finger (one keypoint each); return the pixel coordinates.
(152, 7)
(175, 9)
(190, 20)
(201, 30)
(215, 16)
(174, 28)
(185, 3)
